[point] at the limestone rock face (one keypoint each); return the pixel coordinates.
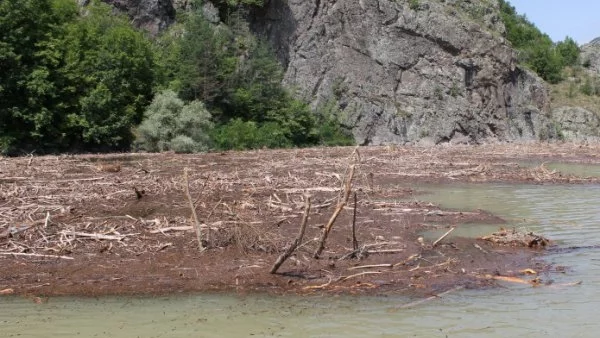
(150, 15)
(577, 124)
(401, 70)
(590, 55)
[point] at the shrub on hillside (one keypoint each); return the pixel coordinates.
(170, 124)
(536, 49)
(329, 130)
(238, 134)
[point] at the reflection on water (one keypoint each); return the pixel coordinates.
(567, 214)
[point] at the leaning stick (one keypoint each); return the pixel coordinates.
(298, 240)
(443, 236)
(354, 241)
(193, 208)
(372, 266)
(336, 213)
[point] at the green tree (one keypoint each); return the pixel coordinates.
(205, 63)
(569, 51)
(108, 67)
(70, 81)
(28, 60)
(170, 124)
(546, 62)
(536, 49)
(239, 79)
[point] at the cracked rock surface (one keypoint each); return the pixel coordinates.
(434, 71)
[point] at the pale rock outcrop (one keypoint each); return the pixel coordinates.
(577, 124)
(590, 55)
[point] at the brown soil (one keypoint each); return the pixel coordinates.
(250, 204)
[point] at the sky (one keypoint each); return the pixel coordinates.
(579, 19)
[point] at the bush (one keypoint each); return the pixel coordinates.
(569, 51)
(183, 144)
(329, 130)
(169, 124)
(238, 134)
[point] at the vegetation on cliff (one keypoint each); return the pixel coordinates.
(83, 79)
(536, 49)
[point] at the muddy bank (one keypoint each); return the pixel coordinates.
(120, 224)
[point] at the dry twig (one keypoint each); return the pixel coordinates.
(298, 240)
(443, 236)
(354, 241)
(33, 255)
(336, 213)
(193, 209)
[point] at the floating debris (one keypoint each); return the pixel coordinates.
(516, 238)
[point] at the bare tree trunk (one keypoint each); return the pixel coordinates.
(336, 213)
(288, 252)
(193, 208)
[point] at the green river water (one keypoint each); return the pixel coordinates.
(569, 215)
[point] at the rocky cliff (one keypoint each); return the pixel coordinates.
(402, 71)
(577, 114)
(590, 55)
(151, 15)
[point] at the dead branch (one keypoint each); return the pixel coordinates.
(33, 255)
(443, 236)
(336, 213)
(167, 229)
(298, 240)
(322, 286)
(93, 236)
(373, 266)
(354, 241)
(385, 251)
(361, 274)
(193, 209)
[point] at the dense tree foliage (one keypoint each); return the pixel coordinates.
(80, 79)
(28, 64)
(70, 81)
(170, 124)
(239, 80)
(536, 49)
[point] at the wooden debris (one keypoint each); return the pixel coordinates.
(364, 273)
(372, 266)
(109, 167)
(516, 238)
(34, 255)
(336, 213)
(193, 209)
(354, 240)
(168, 229)
(288, 252)
(443, 236)
(95, 236)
